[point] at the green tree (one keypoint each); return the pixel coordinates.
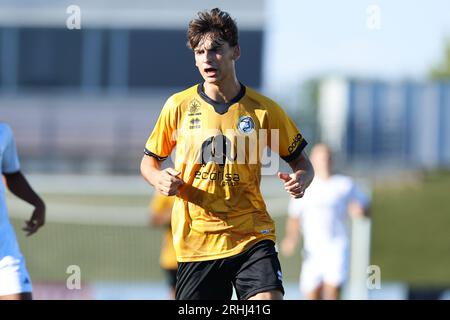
(442, 70)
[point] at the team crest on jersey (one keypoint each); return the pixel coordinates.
(194, 108)
(246, 125)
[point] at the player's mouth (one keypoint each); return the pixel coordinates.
(210, 72)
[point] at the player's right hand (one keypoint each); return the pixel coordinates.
(168, 183)
(36, 221)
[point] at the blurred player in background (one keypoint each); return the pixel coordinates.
(223, 235)
(321, 215)
(15, 283)
(160, 215)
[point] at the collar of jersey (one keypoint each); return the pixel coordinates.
(220, 107)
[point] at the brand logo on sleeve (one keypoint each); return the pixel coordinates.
(298, 138)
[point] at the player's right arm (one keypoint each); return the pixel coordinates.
(158, 147)
(165, 181)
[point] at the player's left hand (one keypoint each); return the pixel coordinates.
(36, 221)
(294, 184)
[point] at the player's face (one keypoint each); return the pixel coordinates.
(215, 59)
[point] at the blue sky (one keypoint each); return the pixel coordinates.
(308, 38)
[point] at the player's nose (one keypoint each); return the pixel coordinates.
(208, 56)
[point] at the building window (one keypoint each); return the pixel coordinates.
(49, 57)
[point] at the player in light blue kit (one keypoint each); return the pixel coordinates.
(15, 283)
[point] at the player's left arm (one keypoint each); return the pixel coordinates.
(290, 147)
(359, 203)
(303, 173)
(19, 186)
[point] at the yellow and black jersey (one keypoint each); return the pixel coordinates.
(159, 206)
(219, 147)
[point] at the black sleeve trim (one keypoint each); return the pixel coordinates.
(10, 173)
(296, 152)
(151, 154)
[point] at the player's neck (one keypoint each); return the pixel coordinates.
(223, 92)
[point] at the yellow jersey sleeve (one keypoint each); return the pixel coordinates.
(290, 142)
(159, 206)
(160, 203)
(162, 139)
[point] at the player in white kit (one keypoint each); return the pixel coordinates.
(321, 217)
(15, 283)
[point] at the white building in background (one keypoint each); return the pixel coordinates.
(86, 99)
(380, 123)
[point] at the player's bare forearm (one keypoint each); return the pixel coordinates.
(296, 183)
(165, 181)
(301, 166)
(150, 169)
(20, 187)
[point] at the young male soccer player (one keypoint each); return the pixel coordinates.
(15, 282)
(322, 215)
(222, 232)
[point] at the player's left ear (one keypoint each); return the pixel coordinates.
(236, 52)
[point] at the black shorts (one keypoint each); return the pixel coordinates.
(171, 276)
(250, 272)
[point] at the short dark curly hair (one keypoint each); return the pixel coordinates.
(215, 22)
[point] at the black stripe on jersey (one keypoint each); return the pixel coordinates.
(296, 152)
(151, 154)
(220, 107)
